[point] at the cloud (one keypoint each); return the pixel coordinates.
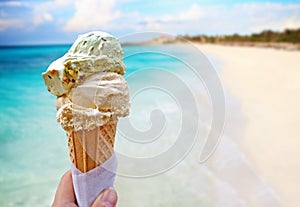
(193, 13)
(41, 18)
(6, 19)
(43, 12)
(9, 23)
(10, 3)
(292, 22)
(174, 23)
(28, 15)
(93, 14)
(273, 16)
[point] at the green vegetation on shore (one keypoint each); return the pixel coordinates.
(266, 36)
(289, 39)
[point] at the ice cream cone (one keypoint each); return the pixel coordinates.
(91, 94)
(90, 148)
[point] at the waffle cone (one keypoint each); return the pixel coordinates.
(90, 148)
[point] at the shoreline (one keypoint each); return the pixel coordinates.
(266, 84)
(273, 45)
(166, 39)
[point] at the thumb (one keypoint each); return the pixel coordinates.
(107, 198)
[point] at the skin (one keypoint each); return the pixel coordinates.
(65, 196)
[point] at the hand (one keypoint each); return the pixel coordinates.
(65, 196)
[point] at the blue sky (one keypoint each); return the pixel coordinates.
(60, 21)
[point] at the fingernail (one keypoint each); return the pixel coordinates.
(109, 198)
(106, 204)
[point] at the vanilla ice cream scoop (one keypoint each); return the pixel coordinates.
(91, 53)
(92, 103)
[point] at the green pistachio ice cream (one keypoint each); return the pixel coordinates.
(91, 53)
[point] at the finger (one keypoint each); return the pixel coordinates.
(64, 195)
(107, 198)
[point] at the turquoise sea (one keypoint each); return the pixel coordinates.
(33, 147)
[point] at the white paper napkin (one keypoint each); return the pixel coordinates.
(89, 185)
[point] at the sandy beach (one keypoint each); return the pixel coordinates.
(266, 84)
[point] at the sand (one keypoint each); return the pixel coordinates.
(266, 82)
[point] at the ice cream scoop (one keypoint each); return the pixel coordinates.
(91, 53)
(93, 102)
